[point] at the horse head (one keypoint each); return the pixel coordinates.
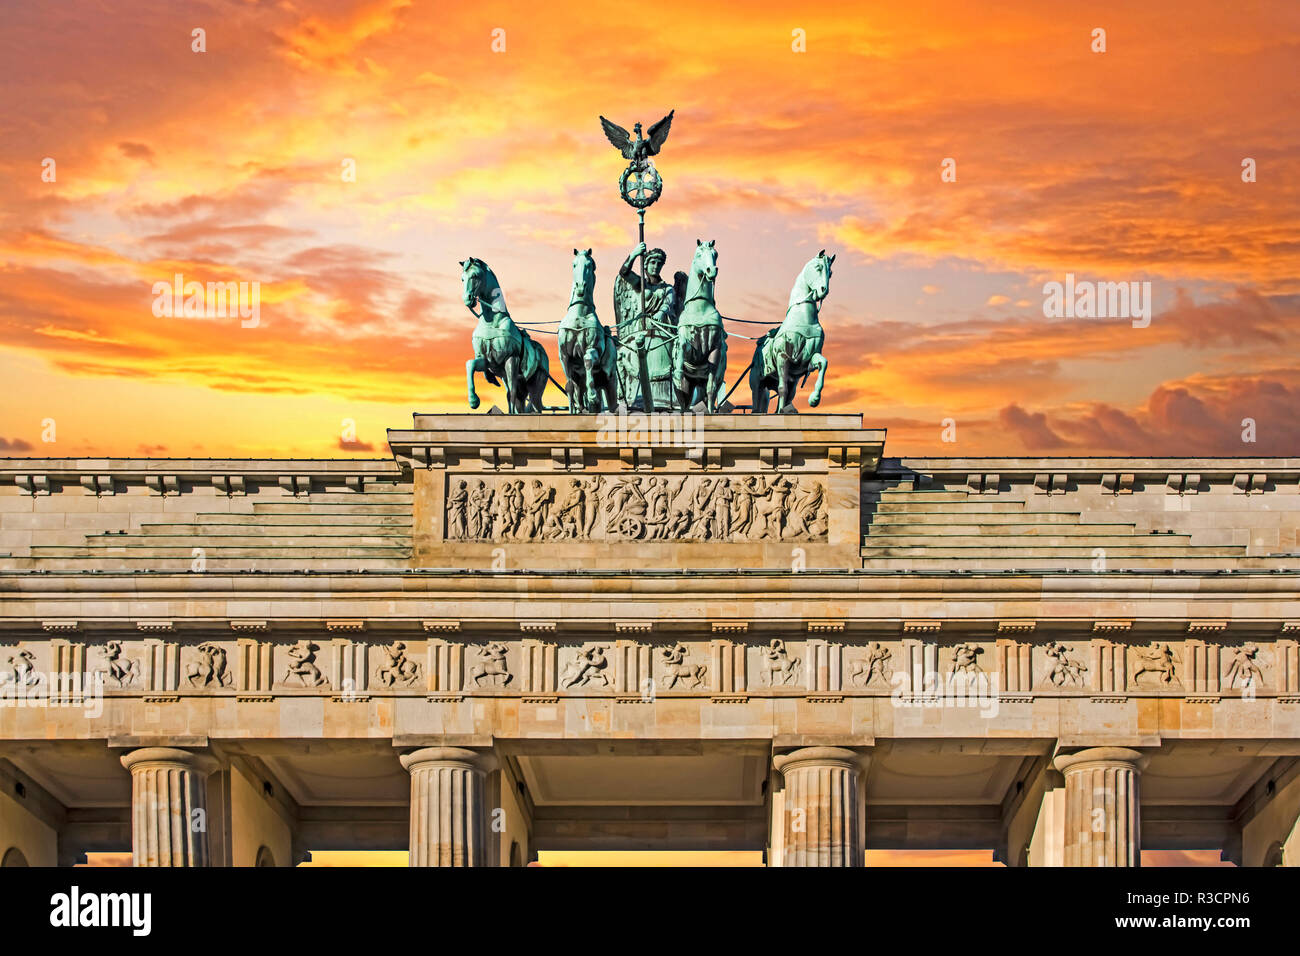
(472, 278)
(584, 277)
(817, 275)
(705, 262)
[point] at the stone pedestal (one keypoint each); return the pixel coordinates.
(449, 815)
(821, 814)
(1102, 806)
(169, 816)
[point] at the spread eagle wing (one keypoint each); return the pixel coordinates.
(680, 280)
(659, 133)
(620, 137)
(627, 307)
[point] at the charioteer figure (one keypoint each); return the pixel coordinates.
(653, 331)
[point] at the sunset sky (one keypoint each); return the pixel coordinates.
(226, 165)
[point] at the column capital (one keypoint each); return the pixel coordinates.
(821, 757)
(1103, 806)
(169, 758)
(462, 758)
(169, 806)
(1102, 757)
(817, 813)
(449, 805)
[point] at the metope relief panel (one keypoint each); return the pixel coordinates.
(682, 667)
(398, 665)
(24, 669)
(1159, 666)
(1244, 667)
(301, 665)
(587, 667)
(490, 667)
(871, 666)
(1062, 665)
(778, 664)
(637, 508)
(209, 666)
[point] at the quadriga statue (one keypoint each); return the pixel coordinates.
(700, 350)
(502, 351)
(587, 350)
(794, 350)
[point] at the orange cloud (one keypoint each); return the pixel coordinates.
(227, 166)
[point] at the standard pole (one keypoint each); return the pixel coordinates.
(643, 367)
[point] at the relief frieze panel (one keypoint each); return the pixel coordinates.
(732, 508)
(1013, 669)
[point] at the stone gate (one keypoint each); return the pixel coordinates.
(523, 633)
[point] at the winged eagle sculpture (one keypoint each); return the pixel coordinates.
(640, 149)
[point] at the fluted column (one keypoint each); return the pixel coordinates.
(1102, 806)
(821, 818)
(169, 799)
(449, 820)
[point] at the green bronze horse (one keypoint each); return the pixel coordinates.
(587, 350)
(700, 350)
(502, 350)
(794, 350)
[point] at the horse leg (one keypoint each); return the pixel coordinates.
(571, 392)
(514, 402)
(591, 396)
(692, 395)
(784, 384)
(757, 390)
(572, 385)
(718, 393)
(710, 374)
(818, 362)
(473, 365)
(536, 389)
(611, 377)
(681, 385)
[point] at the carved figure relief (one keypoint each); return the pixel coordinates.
(638, 508)
(680, 667)
(1156, 661)
(122, 669)
(302, 665)
(493, 666)
(965, 659)
(677, 667)
(574, 510)
(399, 668)
(590, 665)
(778, 667)
(22, 669)
(1066, 670)
(538, 508)
(457, 502)
(875, 665)
(210, 667)
(1244, 671)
